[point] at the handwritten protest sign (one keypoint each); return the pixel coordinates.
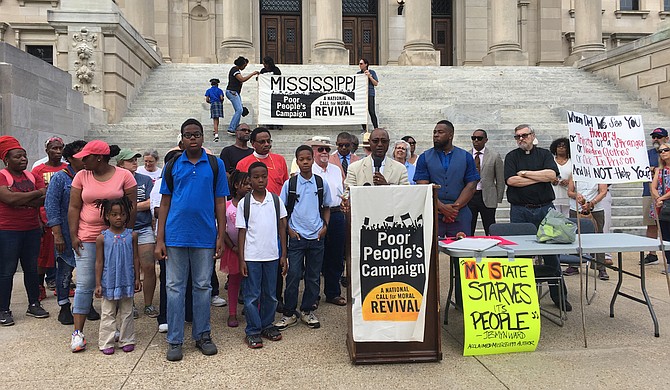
(312, 100)
(500, 306)
(608, 149)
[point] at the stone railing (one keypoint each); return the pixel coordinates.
(107, 57)
(641, 67)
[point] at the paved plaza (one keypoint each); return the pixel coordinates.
(622, 352)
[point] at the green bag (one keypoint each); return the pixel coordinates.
(556, 228)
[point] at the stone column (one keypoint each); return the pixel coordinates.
(329, 47)
(140, 13)
(504, 47)
(418, 49)
(588, 30)
(237, 25)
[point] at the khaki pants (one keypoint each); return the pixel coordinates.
(116, 315)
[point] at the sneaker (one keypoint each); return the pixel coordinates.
(650, 259)
(218, 301)
(286, 322)
(174, 353)
(65, 315)
(78, 341)
(571, 271)
(128, 348)
(602, 275)
(43, 293)
(51, 285)
(6, 318)
(36, 310)
(230, 132)
(309, 318)
(162, 328)
(108, 351)
(206, 345)
(254, 341)
(216, 138)
(151, 311)
(136, 314)
(93, 314)
(271, 334)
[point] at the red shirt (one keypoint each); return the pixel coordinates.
(46, 171)
(20, 218)
(277, 170)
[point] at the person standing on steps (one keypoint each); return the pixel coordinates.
(232, 154)
(214, 96)
(270, 67)
(234, 90)
(373, 81)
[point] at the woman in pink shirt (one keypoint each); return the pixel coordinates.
(98, 180)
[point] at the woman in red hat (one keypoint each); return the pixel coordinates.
(98, 180)
(21, 195)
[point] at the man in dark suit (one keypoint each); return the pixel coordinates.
(491, 186)
(343, 157)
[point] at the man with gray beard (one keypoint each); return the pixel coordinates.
(529, 171)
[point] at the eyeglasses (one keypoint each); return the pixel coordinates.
(664, 150)
(191, 135)
(264, 141)
(322, 149)
(561, 146)
(521, 136)
(656, 136)
(343, 145)
(477, 138)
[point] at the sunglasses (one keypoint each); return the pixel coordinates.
(656, 136)
(664, 150)
(322, 149)
(343, 145)
(477, 138)
(521, 136)
(191, 135)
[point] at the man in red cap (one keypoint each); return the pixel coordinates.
(21, 195)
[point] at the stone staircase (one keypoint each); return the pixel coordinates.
(410, 100)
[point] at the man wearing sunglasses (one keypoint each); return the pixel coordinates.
(659, 136)
(491, 186)
(343, 157)
(529, 171)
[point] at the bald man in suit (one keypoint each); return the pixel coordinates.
(363, 171)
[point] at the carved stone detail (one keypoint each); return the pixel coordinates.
(84, 66)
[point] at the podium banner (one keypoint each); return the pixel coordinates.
(500, 306)
(391, 237)
(312, 100)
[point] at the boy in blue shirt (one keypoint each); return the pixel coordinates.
(258, 248)
(214, 96)
(308, 216)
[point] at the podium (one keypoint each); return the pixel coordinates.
(379, 352)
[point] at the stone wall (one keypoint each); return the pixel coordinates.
(37, 101)
(641, 67)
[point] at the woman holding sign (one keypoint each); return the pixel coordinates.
(234, 89)
(660, 191)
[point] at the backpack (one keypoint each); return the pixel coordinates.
(247, 208)
(293, 194)
(169, 180)
(10, 178)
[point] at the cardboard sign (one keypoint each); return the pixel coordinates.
(313, 100)
(500, 306)
(608, 149)
(390, 260)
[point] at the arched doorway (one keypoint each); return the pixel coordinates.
(442, 30)
(359, 30)
(281, 34)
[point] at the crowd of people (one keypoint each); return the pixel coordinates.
(265, 222)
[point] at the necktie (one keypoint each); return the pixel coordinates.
(345, 164)
(478, 163)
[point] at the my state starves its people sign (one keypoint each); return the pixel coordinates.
(500, 306)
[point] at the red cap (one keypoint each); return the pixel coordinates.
(7, 143)
(94, 147)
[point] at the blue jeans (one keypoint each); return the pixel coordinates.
(200, 261)
(63, 280)
(15, 246)
(333, 257)
(304, 255)
(83, 294)
(260, 301)
(236, 101)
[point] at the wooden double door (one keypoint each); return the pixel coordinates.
(282, 38)
(359, 35)
(442, 40)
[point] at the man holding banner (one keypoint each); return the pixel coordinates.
(529, 171)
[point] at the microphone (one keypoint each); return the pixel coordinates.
(366, 184)
(377, 162)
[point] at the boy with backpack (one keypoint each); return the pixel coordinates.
(261, 220)
(304, 196)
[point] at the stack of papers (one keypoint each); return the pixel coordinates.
(473, 244)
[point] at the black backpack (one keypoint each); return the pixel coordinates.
(293, 194)
(169, 179)
(247, 208)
